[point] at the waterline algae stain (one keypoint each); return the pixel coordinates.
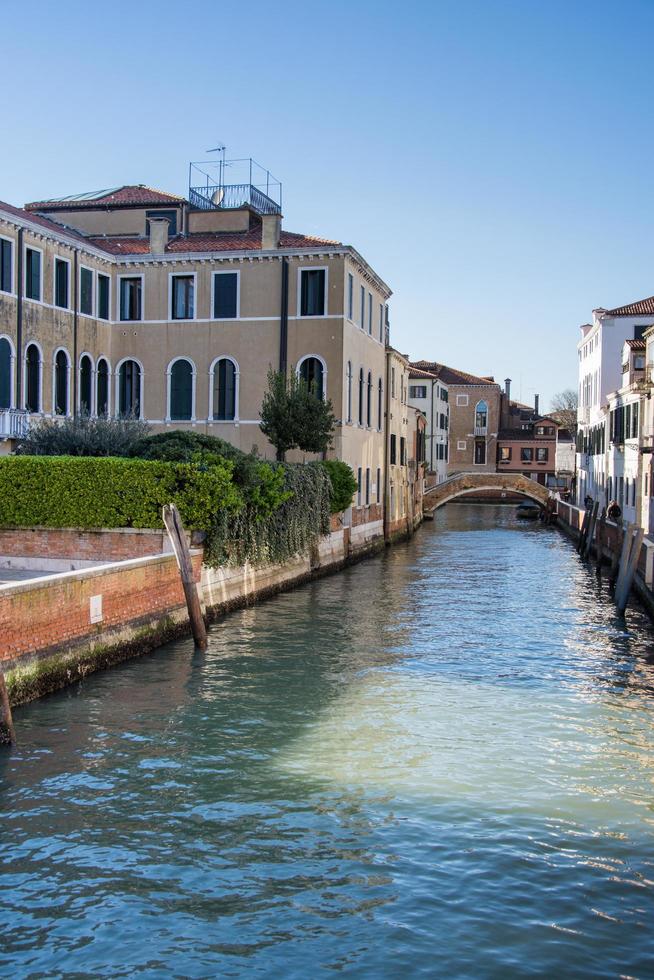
(438, 763)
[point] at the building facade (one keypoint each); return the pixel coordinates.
(136, 302)
(429, 394)
(527, 440)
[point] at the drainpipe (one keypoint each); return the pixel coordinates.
(283, 319)
(387, 407)
(19, 321)
(75, 326)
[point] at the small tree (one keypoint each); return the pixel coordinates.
(564, 409)
(293, 416)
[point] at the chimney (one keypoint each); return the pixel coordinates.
(536, 400)
(158, 235)
(507, 388)
(271, 227)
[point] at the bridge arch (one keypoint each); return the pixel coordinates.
(464, 483)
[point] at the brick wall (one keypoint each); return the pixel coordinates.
(97, 545)
(54, 612)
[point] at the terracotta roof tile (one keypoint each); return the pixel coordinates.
(125, 196)
(46, 223)
(452, 375)
(208, 242)
(642, 307)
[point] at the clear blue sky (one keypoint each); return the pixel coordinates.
(492, 160)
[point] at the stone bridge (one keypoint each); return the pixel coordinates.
(463, 483)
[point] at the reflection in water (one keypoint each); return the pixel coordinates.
(438, 762)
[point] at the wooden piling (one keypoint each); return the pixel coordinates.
(624, 557)
(584, 530)
(177, 537)
(599, 545)
(623, 588)
(591, 529)
(7, 730)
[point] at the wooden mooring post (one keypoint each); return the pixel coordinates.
(599, 545)
(177, 537)
(7, 730)
(591, 530)
(634, 536)
(581, 544)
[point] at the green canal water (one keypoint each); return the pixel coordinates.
(437, 764)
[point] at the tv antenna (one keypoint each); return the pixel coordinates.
(221, 148)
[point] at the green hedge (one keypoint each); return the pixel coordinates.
(93, 492)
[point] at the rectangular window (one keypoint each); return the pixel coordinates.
(542, 455)
(367, 486)
(5, 265)
(402, 451)
(359, 486)
(61, 283)
(225, 295)
(392, 382)
(417, 391)
(183, 297)
(393, 448)
(378, 485)
(103, 297)
(362, 311)
(312, 292)
(445, 395)
(526, 455)
(480, 452)
(370, 314)
(130, 298)
(86, 291)
(462, 401)
(381, 323)
(32, 274)
(461, 444)
(172, 221)
(350, 295)
(505, 454)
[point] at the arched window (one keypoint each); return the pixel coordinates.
(380, 406)
(481, 415)
(224, 390)
(348, 384)
(129, 389)
(361, 386)
(180, 407)
(33, 379)
(311, 371)
(102, 388)
(61, 383)
(85, 384)
(369, 401)
(5, 373)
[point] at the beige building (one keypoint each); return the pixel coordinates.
(405, 449)
(134, 301)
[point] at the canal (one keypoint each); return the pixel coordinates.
(438, 763)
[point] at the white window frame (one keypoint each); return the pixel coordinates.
(54, 386)
(461, 445)
(33, 248)
(12, 266)
(237, 390)
(86, 353)
(461, 400)
(194, 375)
(350, 296)
(305, 357)
(55, 259)
(91, 315)
(106, 275)
(129, 357)
(119, 279)
(225, 272)
(370, 314)
(381, 323)
(362, 304)
(12, 370)
(24, 391)
(182, 275)
(312, 268)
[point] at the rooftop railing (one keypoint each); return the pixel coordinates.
(214, 197)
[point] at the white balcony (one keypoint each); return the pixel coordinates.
(481, 430)
(14, 423)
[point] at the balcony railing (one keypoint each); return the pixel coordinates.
(481, 430)
(14, 423)
(218, 198)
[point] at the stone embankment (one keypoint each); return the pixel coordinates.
(104, 596)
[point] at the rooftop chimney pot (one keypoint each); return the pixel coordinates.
(271, 228)
(158, 235)
(536, 401)
(507, 387)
